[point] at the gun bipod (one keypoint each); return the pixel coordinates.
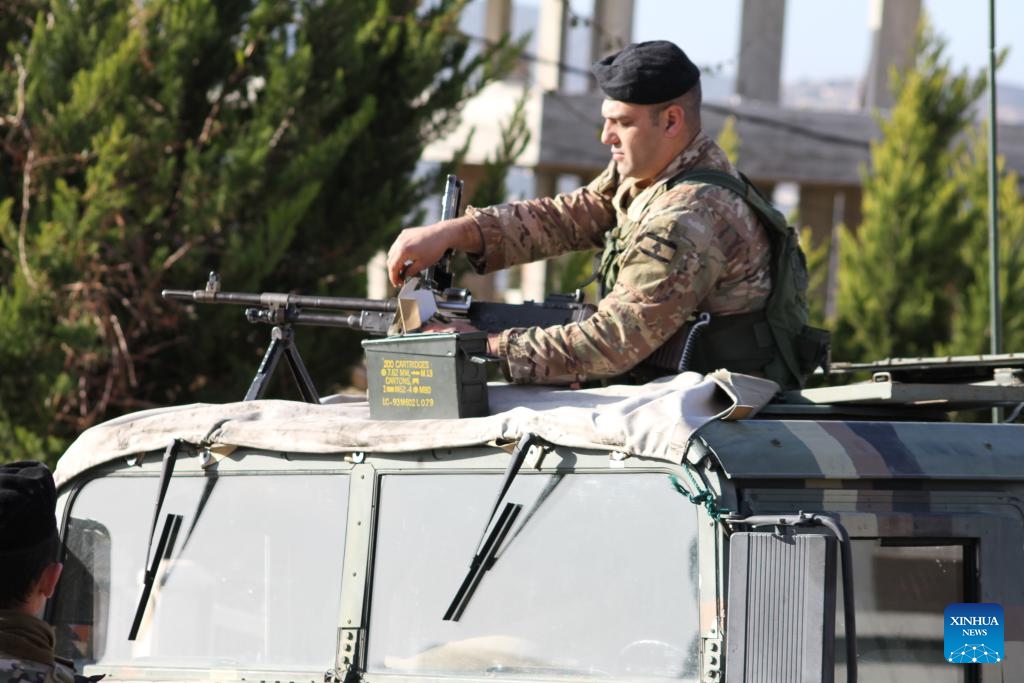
(282, 342)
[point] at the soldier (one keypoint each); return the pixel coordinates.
(28, 575)
(670, 250)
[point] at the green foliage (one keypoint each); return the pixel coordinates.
(817, 277)
(145, 144)
(729, 139)
(490, 188)
(515, 136)
(564, 273)
(573, 271)
(901, 270)
(971, 332)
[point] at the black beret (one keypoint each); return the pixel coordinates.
(28, 502)
(646, 73)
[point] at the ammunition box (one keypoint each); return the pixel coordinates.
(422, 376)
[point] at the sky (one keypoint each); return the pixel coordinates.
(828, 39)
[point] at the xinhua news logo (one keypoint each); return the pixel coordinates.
(974, 633)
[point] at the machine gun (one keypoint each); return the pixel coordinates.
(429, 293)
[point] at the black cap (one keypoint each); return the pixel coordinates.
(646, 73)
(28, 501)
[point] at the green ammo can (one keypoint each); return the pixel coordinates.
(427, 376)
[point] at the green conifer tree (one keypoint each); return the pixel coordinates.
(971, 321)
(899, 273)
(817, 275)
(145, 144)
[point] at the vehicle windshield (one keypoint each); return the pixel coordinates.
(598, 577)
(249, 583)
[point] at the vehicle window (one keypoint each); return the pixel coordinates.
(252, 580)
(901, 593)
(598, 577)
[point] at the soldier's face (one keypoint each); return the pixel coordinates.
(635, 136)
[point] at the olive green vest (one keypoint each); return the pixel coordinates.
(775, 342)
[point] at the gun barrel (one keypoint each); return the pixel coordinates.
(207, 297)
(452, 197)
(330, 303)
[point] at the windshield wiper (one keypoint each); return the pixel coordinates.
(164, 547)
(482, 561)
(167, 535)
(492, 536)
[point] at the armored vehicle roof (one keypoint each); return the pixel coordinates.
(855, 449)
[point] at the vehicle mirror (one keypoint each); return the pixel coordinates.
(83, 595)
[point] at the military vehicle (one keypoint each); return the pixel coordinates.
(695, 528)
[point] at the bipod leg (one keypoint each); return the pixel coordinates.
(266, 368)
(300, 373)
(281, 341)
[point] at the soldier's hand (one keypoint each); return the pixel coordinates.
(461, 326)
(414, 250)
(418, 248)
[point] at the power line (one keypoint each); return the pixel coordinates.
(591, 120)
(794, 128)
(565, 67)
(617, 41)
(726, 110)
(530, 57)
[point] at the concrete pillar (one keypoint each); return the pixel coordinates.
(612, 27)
(532, 280)
(551, 44)
(760, 63)
(377, 284)
(893, 26)
(497, 19)
(823, 208)
(533, 276)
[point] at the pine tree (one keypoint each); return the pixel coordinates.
(899, 273)
(971, 320)
(512, 141)
(145, 144)
(817, 275)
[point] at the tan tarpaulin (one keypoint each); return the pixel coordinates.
(652, 420)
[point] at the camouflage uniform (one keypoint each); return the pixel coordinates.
(26, 651)
(667, 254)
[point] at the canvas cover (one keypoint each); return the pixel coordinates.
(654, 420)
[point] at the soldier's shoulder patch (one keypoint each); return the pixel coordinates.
(657, 247)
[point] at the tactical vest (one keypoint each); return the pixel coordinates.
(775, 342)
